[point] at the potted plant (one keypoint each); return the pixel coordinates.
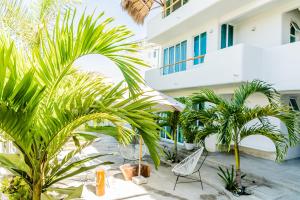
(189, 134)
(189, 126)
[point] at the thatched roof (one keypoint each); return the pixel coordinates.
(137, 9)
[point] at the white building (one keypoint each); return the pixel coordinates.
(240, 40)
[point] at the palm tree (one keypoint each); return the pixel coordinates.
(188, 120)
(44, 98)
(25, 21)
(171, 119)
(233, 120)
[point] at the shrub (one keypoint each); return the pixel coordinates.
(228, 177)
(16, 188)
(169, 154)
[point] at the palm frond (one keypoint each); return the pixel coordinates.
(207, 95)
(91, 35)
(286, 116)
(245, 90)
(270, 131)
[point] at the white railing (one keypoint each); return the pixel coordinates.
(173, 66)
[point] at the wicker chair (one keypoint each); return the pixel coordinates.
(187, 167)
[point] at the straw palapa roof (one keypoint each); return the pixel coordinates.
(137, 9)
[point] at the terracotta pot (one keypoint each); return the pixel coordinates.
(131, 170)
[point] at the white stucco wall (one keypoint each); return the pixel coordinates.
(263, 30)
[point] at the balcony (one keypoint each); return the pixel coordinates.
(230, 65)
(277, 65)
(182, 17)
(172, 17)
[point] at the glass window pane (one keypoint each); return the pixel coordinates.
(203, 46)
(168, 11)
(166, 61)
(196, 49)
(168, 129)
(177, 57)
(223, 36)
(293, 30)
(230, 35)
(162, 134)
(180, 135)
(183, 55)
(176, 5)
(292, 39)
(293, 104)
(171, 60)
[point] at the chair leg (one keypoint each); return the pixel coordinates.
(200, 179)
(176, 182)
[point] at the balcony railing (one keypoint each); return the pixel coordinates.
(171, 6)
(180, 65)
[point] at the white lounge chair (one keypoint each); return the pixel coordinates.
(187, 167)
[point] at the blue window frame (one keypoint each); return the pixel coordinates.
(183, 55)
(165, 136)
(173, 57)
(166, 61)
(196, 49)
(171, 60)
(226, 35)
(177, 57)
(200, 45)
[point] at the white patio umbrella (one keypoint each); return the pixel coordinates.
(164, 103)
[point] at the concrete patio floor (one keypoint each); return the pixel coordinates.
(273, 181)
(159, 187)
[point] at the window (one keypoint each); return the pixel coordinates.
(199, 47)
(172, 5)
(226, 35)
(166, 61)
(165, 136)
(293, 104)
(292, 34)
(175, 58)
(171, 60)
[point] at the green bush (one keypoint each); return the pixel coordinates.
(15, 188)
(169, 154)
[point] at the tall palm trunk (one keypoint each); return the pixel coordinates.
(175, 141)
(37, 190)
(37, 185)
(237, 164)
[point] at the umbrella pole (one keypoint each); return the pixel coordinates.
(140, 179)
(140, 154)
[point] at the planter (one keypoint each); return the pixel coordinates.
(131, 170)
(189, 146)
